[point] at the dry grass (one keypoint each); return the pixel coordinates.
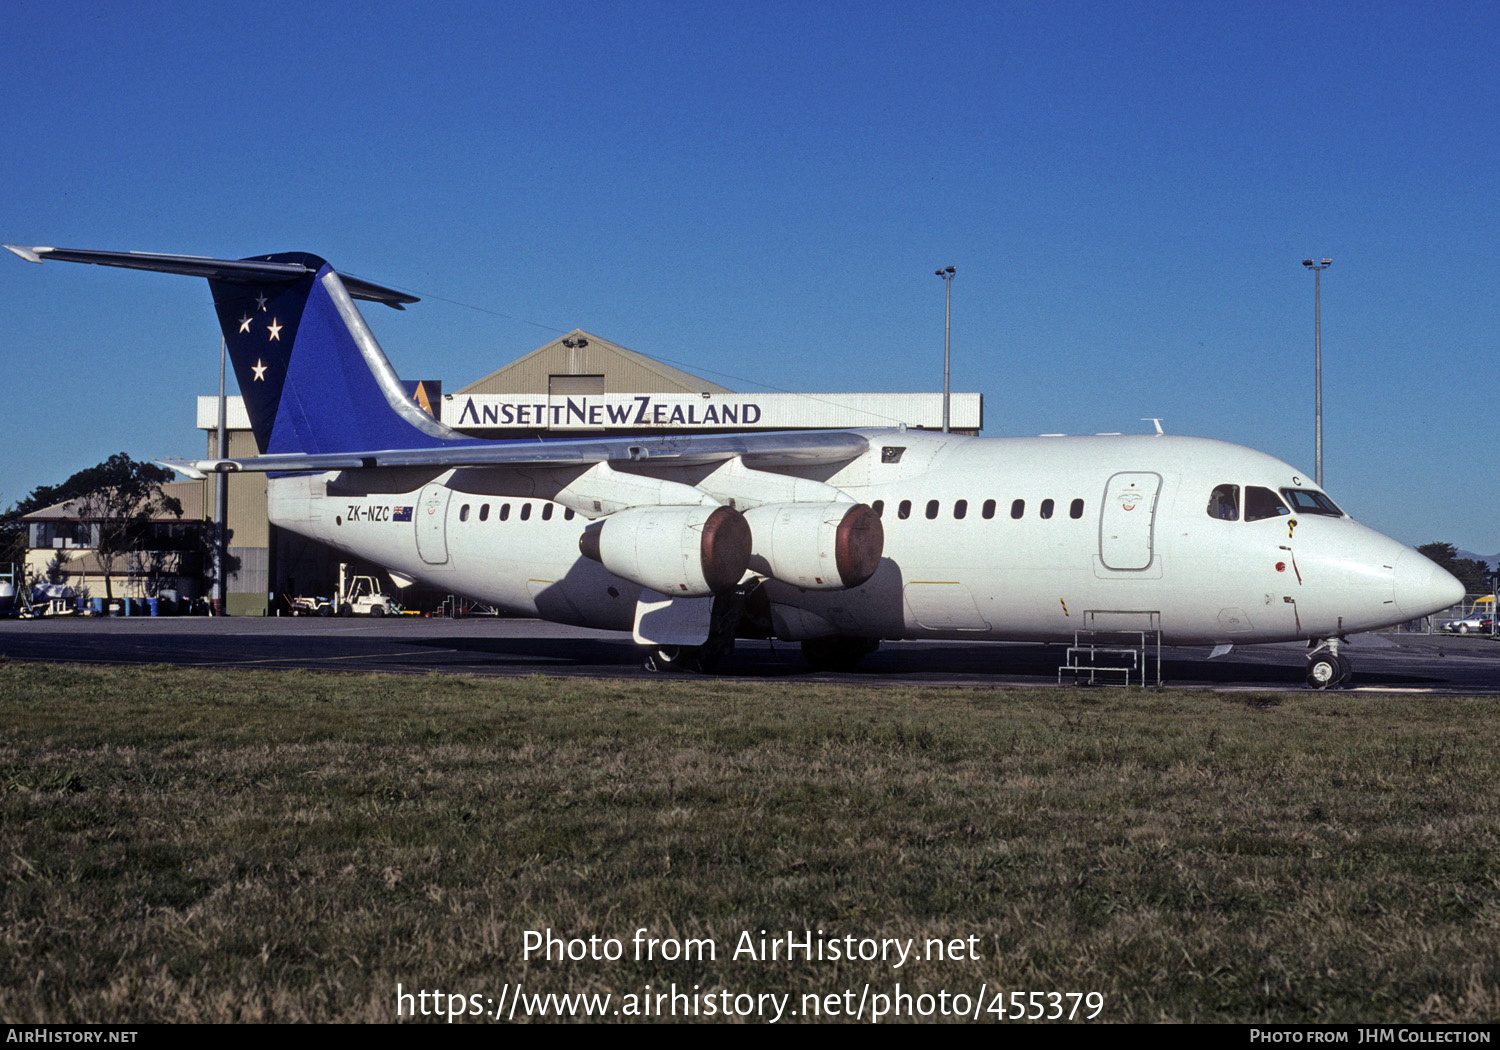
(191, 845)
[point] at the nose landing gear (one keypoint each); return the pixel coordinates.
(1327, 668)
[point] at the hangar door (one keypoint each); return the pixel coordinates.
(1127, 520)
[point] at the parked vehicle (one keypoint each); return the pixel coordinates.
(1470, 625)
(364, 598)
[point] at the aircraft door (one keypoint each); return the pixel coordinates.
(432, 524)
(1127, 521)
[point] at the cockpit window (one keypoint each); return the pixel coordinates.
(1262, 503)
(1305, 501)
(1224, 503)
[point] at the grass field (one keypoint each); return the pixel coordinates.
(179, 844)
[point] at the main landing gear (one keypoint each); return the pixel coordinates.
(728, 613)
(690, 658)
(1327, 668)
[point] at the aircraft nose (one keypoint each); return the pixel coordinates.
(1423, 587)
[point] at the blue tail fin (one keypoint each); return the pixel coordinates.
(312, 375)
(313, 378)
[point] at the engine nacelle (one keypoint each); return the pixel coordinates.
(683, 551)
(816, 546)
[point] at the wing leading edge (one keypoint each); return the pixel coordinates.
(772, 449)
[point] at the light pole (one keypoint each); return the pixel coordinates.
(1317, 269)
(946, 273)
(221, 498)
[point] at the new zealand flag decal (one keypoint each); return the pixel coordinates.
(402, 514)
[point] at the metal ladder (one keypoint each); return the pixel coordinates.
(1123, 642)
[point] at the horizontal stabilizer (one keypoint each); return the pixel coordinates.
(234, 271)
(186, 469)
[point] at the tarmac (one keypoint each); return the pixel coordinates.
(1384, 662)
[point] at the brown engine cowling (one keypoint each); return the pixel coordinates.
(816, 546)
(685, 551)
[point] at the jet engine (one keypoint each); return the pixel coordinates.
(816, 546)
(683, 551)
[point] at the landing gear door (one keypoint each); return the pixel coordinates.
(432, 524)
(1127, 521)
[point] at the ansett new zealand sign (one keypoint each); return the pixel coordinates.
(603, 410)
(703, 411)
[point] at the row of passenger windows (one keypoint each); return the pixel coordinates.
(524, 515)
(1260, 503)
(986, 509)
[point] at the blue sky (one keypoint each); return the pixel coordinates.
(761, 192)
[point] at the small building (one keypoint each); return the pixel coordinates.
(63, 549)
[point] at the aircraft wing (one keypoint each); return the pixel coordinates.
(772, 449)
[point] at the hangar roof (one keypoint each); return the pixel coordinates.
(582, 353)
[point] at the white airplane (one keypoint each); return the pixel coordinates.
(835, 539)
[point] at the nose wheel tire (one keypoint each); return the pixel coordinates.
(1326, 671)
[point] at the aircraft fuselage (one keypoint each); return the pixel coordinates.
(984, 538)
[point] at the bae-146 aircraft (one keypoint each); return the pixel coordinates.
(834, 539)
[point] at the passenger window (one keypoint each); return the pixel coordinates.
(989, 509)
(526, 512)
(1018, 508)
(1047, 508)
(546, 512)
(960, 508)
(1262, 503)
(879, 508)
(1076, 510)
(568, 514)
(504, 511)
(904, 511)
(463, 513)
(484, 512)
(932, 509)
(1224, 503)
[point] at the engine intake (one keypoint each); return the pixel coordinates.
(816, 546)
(686, 551)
